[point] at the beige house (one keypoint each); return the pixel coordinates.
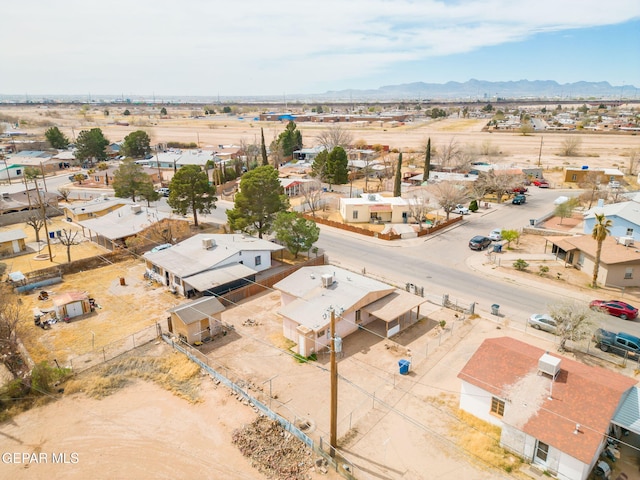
(12, 242)
(196, 321)
(374, 208)
(94, 208)
(579, 175)
(619, 263)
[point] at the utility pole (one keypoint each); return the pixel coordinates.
(334, 386)
(44, 182)
(6, 168)
(44, 218)
(540, 152)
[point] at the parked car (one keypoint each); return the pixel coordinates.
(538, 181)
(620, 343)
(615, 308)
(519, 200)
(164, 246)
(542, 321)
(164, 191)
(479, 242)
(496, 234)
(521, 189)
(461, 210)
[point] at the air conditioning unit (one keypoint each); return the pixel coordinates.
(549, 365)
(626, 241)
(327, 280)
(208, 243)
(136, 208)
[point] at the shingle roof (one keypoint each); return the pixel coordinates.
(581, 394)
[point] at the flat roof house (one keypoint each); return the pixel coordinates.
(374, 208)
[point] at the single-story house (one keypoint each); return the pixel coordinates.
(292, 187)
(308, 154)
(196, 320)
(374, 208)
(625, 217)
(36, 159)
(112, 230)
(579, 175)
(553, 411)
(210, 264)
(11, 172)
(97, 207)
(99, 177)
(12, 242)
(619, 262)
(357, 300)
(72, 304)
(25, 201)
(171, 159)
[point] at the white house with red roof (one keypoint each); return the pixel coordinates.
(553, 411)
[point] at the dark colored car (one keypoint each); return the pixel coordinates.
(519, 200)
(479, 242)
(615, 308)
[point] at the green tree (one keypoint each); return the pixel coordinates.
(149, 193)
(163, 111)
(599, 234)
(190, 191)
(91, 145)
(258, 201)
(319, 166)
(226, 109)
(427, 161)
(290, 140)
(263, 149)
(56, 138)
(130, 180)
(126, 112)
(510, 236)
(136, 144)
(337, 166)
(397, 184)
(520, 264)
(297, 233)
(565, 209)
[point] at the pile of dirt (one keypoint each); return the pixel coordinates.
(274, 451)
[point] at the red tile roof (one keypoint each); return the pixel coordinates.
(582, 394)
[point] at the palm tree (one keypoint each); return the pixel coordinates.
(599, 233)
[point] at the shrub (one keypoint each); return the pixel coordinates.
(520, 264)
(543, 270)
(473, 206)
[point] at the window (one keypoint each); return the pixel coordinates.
(355, 214)
(321, 333)
(629, 232)
(574, 177)
(628, 273)
(542, 451)
(258, 260)
(358, 316)
(18, 172)
(497, 406)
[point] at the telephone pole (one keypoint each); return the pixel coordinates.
(540, 152)
(334, 386)
(44, 218)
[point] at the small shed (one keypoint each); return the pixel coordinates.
(72, 304)
(12, 242)
(194, 321)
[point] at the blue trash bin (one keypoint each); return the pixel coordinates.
(404, 366)
(495, 309)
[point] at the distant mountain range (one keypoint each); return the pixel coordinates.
(483, 90)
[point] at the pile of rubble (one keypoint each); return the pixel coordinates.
(274, 451)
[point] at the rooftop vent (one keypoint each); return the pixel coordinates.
(327, 280)
(5, 194)
(549, 365)
(208, 243)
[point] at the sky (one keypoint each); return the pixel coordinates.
(280, 47)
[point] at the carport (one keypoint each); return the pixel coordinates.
(626, 428)
(399, 310)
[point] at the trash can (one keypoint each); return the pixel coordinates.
(404, 366)
(495, 309)
(52, 234)
(532, 221)
(497, 248)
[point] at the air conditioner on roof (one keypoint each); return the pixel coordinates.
(626, 241)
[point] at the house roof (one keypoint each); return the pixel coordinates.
(546, 410)
(373, 199)
(11, 235)
(189, 257)
(612, 251)
(124, 222)
(629, 211)
(198, 309)
(313, 300)
(69, 297)
(219, 276)
(628, 415)
(98, 204)
(388, 308)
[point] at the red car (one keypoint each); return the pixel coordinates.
(541, 182)
(615, 308)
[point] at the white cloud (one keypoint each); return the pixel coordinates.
(251, 46)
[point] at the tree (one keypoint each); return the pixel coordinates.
(91, 145)
(520, 265)
(574, 321)
(526, 128)
(427, 161)
(570, 146)
(149, 193)
(449, 195)
(56, 138)
(397, 184)
(510, 236)
(591, 183)
(290, 140)
(226, 109)
(190, 191)
(335, 136)
(263, 149)
(258, 201)
(298, 234)
(136, 144)
(65, 193)
(68, 238)
(312, 194)
(36, 221)
(126, 112)
(419, 206)
(599, 234)
(163, 111)
(129, 180)
(337, 170)
(319, 166)
(565, 209)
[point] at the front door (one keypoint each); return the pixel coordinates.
(541, 454)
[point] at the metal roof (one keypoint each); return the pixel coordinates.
(198, 309)
(11, 235)
(628, 414)
(124, 221)
(219, 276)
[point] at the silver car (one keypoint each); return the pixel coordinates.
(542, 321)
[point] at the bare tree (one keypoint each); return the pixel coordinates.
(498, 184)
(35, 221)
(570, 146)
(447, 155)
(634, 158)
(312, 194)
(449, 195)
(591, 183)
(335, 136)
(64, 193)
(68, 239)
(419, 207)
(575, 321)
